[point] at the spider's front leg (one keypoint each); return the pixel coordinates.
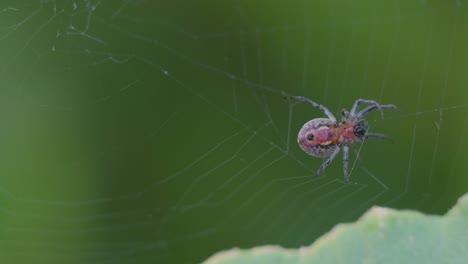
(366, 110)
(328, 161)
(356, 104)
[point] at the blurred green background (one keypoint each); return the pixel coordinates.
(156, 131)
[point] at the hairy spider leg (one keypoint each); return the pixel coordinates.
(319, 106)
(345, 163)
(327, 162)
(366, 110)
(360, 101)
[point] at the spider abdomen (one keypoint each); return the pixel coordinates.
(318, 138)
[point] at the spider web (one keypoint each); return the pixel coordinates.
(136, 132)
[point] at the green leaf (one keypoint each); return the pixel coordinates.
(381, 235)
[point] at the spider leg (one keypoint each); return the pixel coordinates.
(344, 114)
(327, 162)
(345, 163)
(360, 101)
(319, 106)
(379, 136)
(366, 110)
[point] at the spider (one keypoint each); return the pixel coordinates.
(324, 137)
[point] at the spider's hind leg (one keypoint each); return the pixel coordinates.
(319, 106)
(327, 161)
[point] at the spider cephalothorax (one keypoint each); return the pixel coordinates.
(324, 137)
